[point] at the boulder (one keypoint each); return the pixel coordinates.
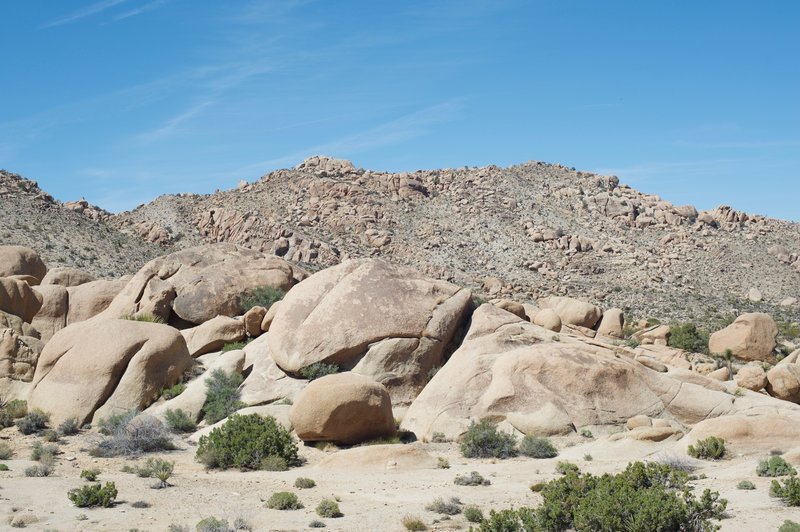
(655, 335)
(18, 355)
(612, 323)
(93, 369)
(67, 277)
(269, 316)
(639, 421)
(196, 284)
(654, 434)
(345, 407)
(749, 337)
(15, 323)
(783, 382)
(548, 319)
(377, 319)
(266, 382)
(572, 311)
(20, 260)
(721, 374)
(213, 335)
(511, 306)
(751, 377)
(253, 319)
(87, 300)
(52, 317)
(748, 434)
(380, 458)
(19, 299)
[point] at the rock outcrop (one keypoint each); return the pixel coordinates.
(749, 337)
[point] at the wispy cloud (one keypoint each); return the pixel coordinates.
(150, 6)
(171, 126)
(87, 11)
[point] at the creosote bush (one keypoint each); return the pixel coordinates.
(483, 440)
(328, 508)
(473, 514)
(473, 479)
(179, 421)
(263, 296)
(35, 421)
(644, 497)
(304, 483)
(93, 495)
(284, 500)
(317, 370)
(245, 441)
(788, 492)
(774, 466)
(537, 447)
(222, 396)
(711, 448)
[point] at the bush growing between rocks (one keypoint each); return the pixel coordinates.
(284, 500)
(439, 437)
(304, 483)
(473, 479)
(222, 396)
(789, 492)
(440, 506)
(233, 346)
(537, 447)
(94, 495)
(643, 497)
(745, 485)
(688, 337)
(483, 440)
(318, 370)
(69, 427)
(245, 441)
(144, 317)
(413, 523)
(6, 420)
(774, 466)
(133, 434)
(173, 391)
(179, 421)
(711, 448)
(473, 514)
(262, 296)
(328, 508)
(17, 408)
(32, 422)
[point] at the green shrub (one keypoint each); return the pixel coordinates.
(688, 337)
(262, 296)
(133, 434)
(588, 457)
(789, 526)
(212, 524)
(519, 520)
(33, 422)
(316, 523)
(586, 433)
(156, 468)
(222, 396)
(5, 451)
(483, 440)
(144, 317)
(93, 495)
(317, 370)
(245, 441)
(711, 448)
(440, 506)
(173, 391)
(6, 420)
(439, 437)
(284, 500)
(179, 421)
(538, 487)
(774, 466)
(413, 523)
(39, 451)
(537, 447)
(114, 422)
(304, 483)
(233, 346)
(745, 485)
(328, 508)
(90, 474)
(4, 467)
(44, 468)
(473, 514)
(50, 435)
(274, 463)
(473, 479)
(17, 408)
(140, 504)
(789, 492)
(564, 468)
(69, 427)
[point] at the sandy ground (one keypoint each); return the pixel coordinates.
(372, 497)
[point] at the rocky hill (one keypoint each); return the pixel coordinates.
(521, 232)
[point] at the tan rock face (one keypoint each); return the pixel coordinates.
(19, 260)
(52, 317)
(18, 355)
(388, 322)
(548, 319)
(101, 367)
(213, 335)
(612, 323)
(197, 284)
(749, 337)
(67, 277)
(19, 299)
(751, 377)
(572, 311)
(345, 407)
(266, 382)
(253, 319)
(783, 382)
(511, 306)
(749, 433)
(90, 299)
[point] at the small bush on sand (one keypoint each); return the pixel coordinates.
(473, 479)
(93, 495)
(328, 508)
(304, 483)
(133, 434)
(69, 427)
(473, 514)
(179, 421)
(244, 442)
(17, 408)
(442, 463)
(35, 421)
(90, 475)
(745, 485)
(284, 500)
(39, 451)
(774, 466)
(44, 468)
(156, 468)
(564, 468)
(537, 447)
(788, 492)
(483, 440)
(413, 523)
(449, 507)
(711, 448)
(5, 451)
(212, 524)
(317, 370)
(789, 526)
(316, 523)
(222, 396)
(274, 463)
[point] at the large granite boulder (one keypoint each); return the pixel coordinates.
(750, 337)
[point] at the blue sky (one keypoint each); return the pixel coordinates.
(122, 100)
